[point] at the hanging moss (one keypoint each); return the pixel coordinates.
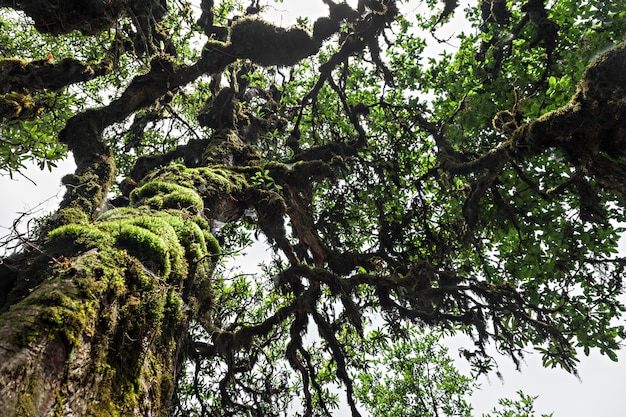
(266, 44)
(18, 106)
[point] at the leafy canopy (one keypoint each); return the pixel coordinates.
(477, 189)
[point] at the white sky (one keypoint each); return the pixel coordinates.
(601, 390)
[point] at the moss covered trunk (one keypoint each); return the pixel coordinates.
(94, 320)
(100, 335)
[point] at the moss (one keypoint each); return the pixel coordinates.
(18, 106)
(26, 405)
(122, 213)
(166, 383)
(111, 291)
(212, 244)
(12, 65)
(69, 316)
(71, 215)
(89, 193)
(227, 148)
(159, 195)
(173, 308)
(604, 78)
(190, 237)
(146, 246)
(208, 182)
(162, 226)
(73, 238)
(58, 406)
(187, 238)
(324, 28)
(266, 44)
(60, 307)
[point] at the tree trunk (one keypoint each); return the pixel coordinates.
(95, 320)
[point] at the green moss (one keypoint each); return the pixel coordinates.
(71, 317)
(123, 213)
(212, 245)
(190, 237)
(18, 106)
(186, 238)
(58, 407)
(87, 191)
(71, 215)
(76, 237)
(109, 289)
(148, 247)
(173, 306)
(203, 223)
(162, 225)
(26, 406)
(159, 195)
(58, 308)
(208, 182)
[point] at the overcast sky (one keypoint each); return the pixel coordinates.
(601, 390)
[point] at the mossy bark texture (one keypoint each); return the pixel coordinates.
(96, 324)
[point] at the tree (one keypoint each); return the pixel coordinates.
(415, 376)
(476, 191)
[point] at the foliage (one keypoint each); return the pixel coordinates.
(415, 376)
(474, 189)
(520, 408)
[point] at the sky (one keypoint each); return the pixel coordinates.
(599, 390)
